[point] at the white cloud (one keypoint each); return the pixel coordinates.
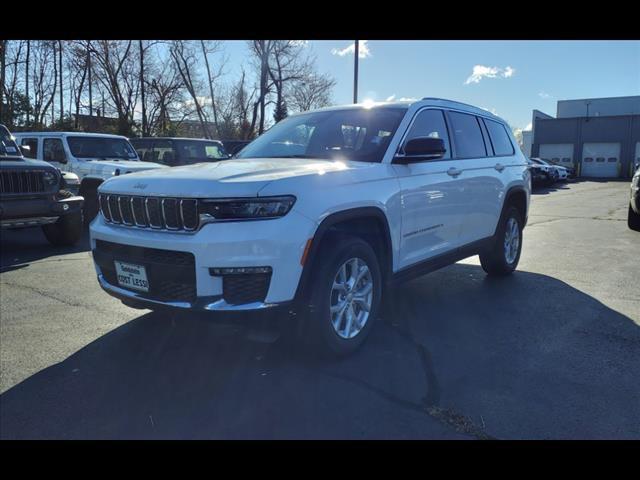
(544, 95)
(528, 127)
(391, 98)
(363, 50)
(492, 110)
(482, 71)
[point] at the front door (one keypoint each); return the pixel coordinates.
(431, 196)
(53, 152)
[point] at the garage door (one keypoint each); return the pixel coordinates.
(560, 153)
(600, 160)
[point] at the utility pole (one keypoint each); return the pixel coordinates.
(26, 81)
(355, 73)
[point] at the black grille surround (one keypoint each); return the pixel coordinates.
(22, 181)
(171, 274)
(173, 214)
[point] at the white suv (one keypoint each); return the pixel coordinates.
(94, 157)
(324, 210)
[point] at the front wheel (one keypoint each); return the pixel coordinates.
(67, 230)
(346, 296)
(633, 220)
(503, 257)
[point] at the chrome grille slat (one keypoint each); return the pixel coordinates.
(171, 214)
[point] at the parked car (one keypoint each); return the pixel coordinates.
(554, 171)
(93, 157)
(320, 214)
(571, 172)
(540, 175)
(179, 151)
(633, 217)
(33, 194)
(234, 146)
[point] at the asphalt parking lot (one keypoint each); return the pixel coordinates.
(550, 352)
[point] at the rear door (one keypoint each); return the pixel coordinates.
(431, 198)
(482, 178)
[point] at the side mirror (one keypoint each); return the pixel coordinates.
(26, 150)
(420, 149)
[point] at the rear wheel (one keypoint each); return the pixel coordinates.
(633, 220)
(346, 296)
(503, 257)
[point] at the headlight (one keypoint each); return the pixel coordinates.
(247, 208)
(49, 178)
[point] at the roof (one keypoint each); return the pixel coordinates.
(61, 134)
(426, 101)
(176, 138)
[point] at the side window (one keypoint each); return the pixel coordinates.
(467, 135)
(430, 123)
(32, 143)
(52, 150)
(142, 148)
(162, 152)
(500, 138)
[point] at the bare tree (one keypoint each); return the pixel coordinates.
(183, 55)
(287, 64)
(117, 72)
(312, 91)
(207, 49)
(261, 50)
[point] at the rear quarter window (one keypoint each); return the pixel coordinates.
(500, 138)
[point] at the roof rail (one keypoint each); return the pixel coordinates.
(461, 103)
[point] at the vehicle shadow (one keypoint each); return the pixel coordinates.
(455, 354)
(20, 247)
(546, 189)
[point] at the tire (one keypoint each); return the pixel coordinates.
(633, 220)
(497, 261)
(318, 331)
(67, 230)
(90, 208)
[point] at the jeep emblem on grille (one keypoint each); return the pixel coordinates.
(141, 186)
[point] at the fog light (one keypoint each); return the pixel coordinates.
(218, 272)
(65, 207)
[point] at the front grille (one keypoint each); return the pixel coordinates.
(245, 288)
(171, 274)
(177, 214)
(21, 181)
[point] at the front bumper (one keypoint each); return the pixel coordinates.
(278, 244)
(20, 212)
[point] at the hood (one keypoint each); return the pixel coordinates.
(235, 177)
(22, 162)
(128, 165)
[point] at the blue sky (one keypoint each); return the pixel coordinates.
(513, 78)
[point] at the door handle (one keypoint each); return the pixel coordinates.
(499, 167)
(454, 172)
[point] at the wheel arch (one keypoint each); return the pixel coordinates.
(369, 223)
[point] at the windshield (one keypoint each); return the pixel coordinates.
(198, 150)
(101, 147)
(8, 146)
(352, 134)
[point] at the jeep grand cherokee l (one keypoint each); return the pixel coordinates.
(320, 214)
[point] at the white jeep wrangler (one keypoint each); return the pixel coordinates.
(325, 210)
(94, 157)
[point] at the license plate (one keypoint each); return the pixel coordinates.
(132, 276)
